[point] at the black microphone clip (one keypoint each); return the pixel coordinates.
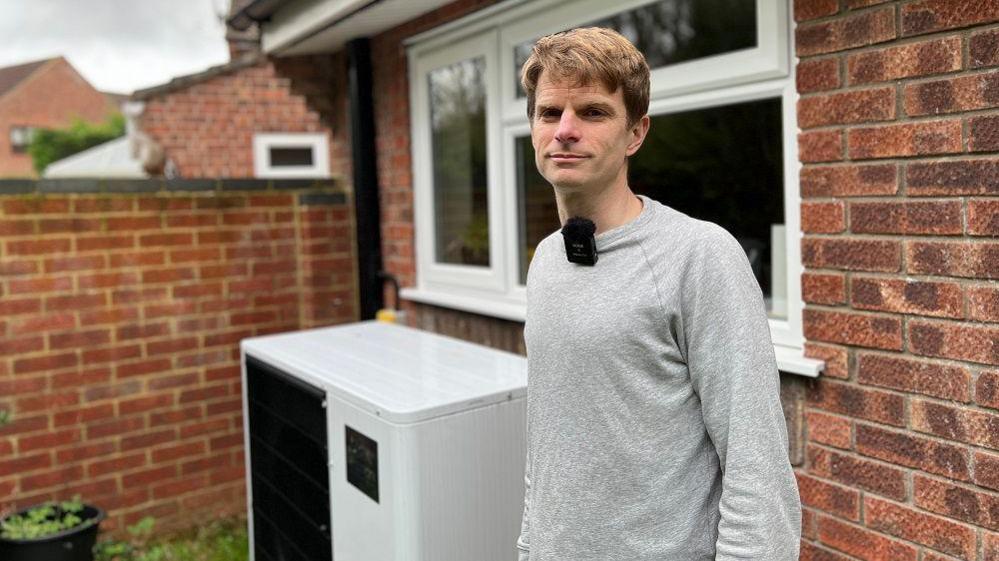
(580, 247)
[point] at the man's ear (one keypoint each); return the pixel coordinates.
(637, 133)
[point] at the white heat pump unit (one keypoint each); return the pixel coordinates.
(376, 442)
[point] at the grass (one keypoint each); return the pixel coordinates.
(223, 540)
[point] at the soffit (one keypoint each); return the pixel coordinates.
(325, 26)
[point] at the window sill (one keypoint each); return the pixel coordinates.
(493, 306)
(790, 360)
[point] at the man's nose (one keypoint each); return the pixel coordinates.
(568, 128)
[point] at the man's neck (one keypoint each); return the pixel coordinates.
(607, 209)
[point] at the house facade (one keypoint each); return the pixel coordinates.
(43, 94)
(850, 146)
(461, 206)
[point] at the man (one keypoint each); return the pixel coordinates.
(655, 429)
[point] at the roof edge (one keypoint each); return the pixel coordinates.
(38, 66)
(187, 80)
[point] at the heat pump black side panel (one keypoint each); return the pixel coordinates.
(288, 460)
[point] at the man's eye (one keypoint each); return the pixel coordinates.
(594, 113)
(549, 113)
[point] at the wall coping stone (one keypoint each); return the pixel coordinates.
(109, 186)
(322, 199)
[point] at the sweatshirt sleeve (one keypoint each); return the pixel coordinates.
(732, 368)
(524, 540)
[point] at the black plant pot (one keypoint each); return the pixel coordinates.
(74, 544)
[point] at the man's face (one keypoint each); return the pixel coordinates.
(581, 135)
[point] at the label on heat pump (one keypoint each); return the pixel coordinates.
(362, 463)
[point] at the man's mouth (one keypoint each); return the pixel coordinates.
(565, 157)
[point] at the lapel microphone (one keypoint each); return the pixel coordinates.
(580, 247)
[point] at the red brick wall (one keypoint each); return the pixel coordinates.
(899, 114)
(51, 98)
(207, 127)
(120, 319)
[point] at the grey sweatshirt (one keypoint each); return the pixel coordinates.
(655, 429)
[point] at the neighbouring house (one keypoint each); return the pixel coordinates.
(254, 117)
(46, 93)
(245, 120)
(849, 145)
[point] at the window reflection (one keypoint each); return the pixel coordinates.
(672, 31)
(722, 164)
(458, 123)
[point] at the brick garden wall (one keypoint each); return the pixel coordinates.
(900, 116)
(121, 313)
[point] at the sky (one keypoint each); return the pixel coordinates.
(117, 45)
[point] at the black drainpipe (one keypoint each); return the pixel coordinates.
(365, 176)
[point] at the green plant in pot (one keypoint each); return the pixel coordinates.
(51, 531)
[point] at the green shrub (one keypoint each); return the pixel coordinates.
(224, 540)
(49, 145)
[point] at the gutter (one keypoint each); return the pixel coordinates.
(256, 11)
(262, 11)
(341, 17)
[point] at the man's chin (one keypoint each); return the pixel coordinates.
(566, 182)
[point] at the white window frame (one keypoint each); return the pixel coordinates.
(726, 69)
(264, 141)
(20, 137)
(429, 270)
(763, 72)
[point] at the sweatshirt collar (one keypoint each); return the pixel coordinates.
(605, 239)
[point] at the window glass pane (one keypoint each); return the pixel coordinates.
(672, 31)
(458, 124)
(537, 213)
(291, 156)
(724, 165)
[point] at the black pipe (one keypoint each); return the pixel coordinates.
(365, 176)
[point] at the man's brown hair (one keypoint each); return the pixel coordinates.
(587, 55)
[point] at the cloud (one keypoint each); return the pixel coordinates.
(118, 45)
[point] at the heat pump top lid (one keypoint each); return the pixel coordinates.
(404, 375)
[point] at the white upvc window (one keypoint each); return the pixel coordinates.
(716, 84)
(291, 154)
